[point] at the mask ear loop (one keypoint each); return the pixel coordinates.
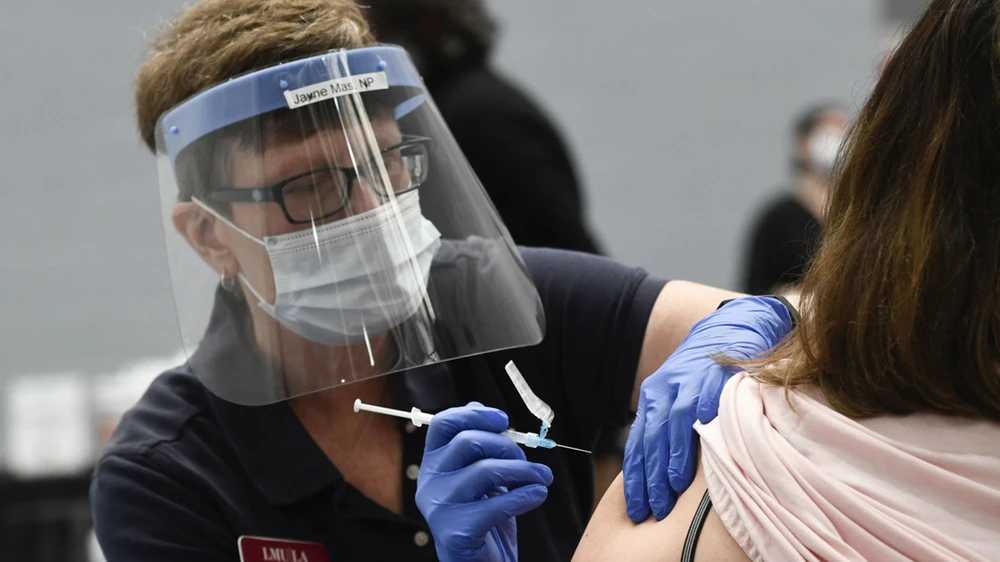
(239, 274)
(226, 221)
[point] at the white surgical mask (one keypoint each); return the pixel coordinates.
(823, 148)
(338, 283)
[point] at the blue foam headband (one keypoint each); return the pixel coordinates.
(262, 91)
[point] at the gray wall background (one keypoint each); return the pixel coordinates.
(677, 112)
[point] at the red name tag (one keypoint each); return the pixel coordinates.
(259, 549)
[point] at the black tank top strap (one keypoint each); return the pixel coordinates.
(694, 531)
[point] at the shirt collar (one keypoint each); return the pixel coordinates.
(277, 452)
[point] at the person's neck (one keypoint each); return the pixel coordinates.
(328, 415)
(334, 408)
(327, 380)
(306, 366)
(811, 192)
(366, 448)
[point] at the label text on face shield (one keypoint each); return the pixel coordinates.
(330, 89)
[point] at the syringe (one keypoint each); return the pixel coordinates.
(418, 418)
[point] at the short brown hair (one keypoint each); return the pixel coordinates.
(902, 303)
(216, 40)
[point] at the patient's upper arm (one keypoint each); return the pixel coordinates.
(611, 535)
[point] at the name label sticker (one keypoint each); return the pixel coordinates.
(260, 549)
(330, 89)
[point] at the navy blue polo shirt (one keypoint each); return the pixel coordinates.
(187, 474)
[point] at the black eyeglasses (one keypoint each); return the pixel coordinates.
(324, 192)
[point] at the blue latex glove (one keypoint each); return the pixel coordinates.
(660, 459)
(473, 482)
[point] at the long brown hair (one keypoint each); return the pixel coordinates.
(902, 302)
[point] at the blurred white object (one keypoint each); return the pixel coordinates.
(116, 393)
(48, 426)
(94, 553)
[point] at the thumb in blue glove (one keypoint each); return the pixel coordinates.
(473, 482)
(660, 452)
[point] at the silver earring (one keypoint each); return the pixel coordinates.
(228, 282)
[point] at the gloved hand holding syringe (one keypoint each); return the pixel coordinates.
(474, 479)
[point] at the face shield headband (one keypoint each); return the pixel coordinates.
(292, 85)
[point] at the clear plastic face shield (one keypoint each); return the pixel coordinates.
(322, 227)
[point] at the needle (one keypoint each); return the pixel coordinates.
(574, 449)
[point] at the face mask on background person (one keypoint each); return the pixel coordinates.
(822, 148)
(343, 281)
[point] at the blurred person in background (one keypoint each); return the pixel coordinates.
(786, 233)
(510, 142)
(512, 145)
(873, 431)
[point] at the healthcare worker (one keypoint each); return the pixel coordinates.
(295, 182)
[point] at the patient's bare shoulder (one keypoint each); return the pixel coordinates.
(611, 535)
